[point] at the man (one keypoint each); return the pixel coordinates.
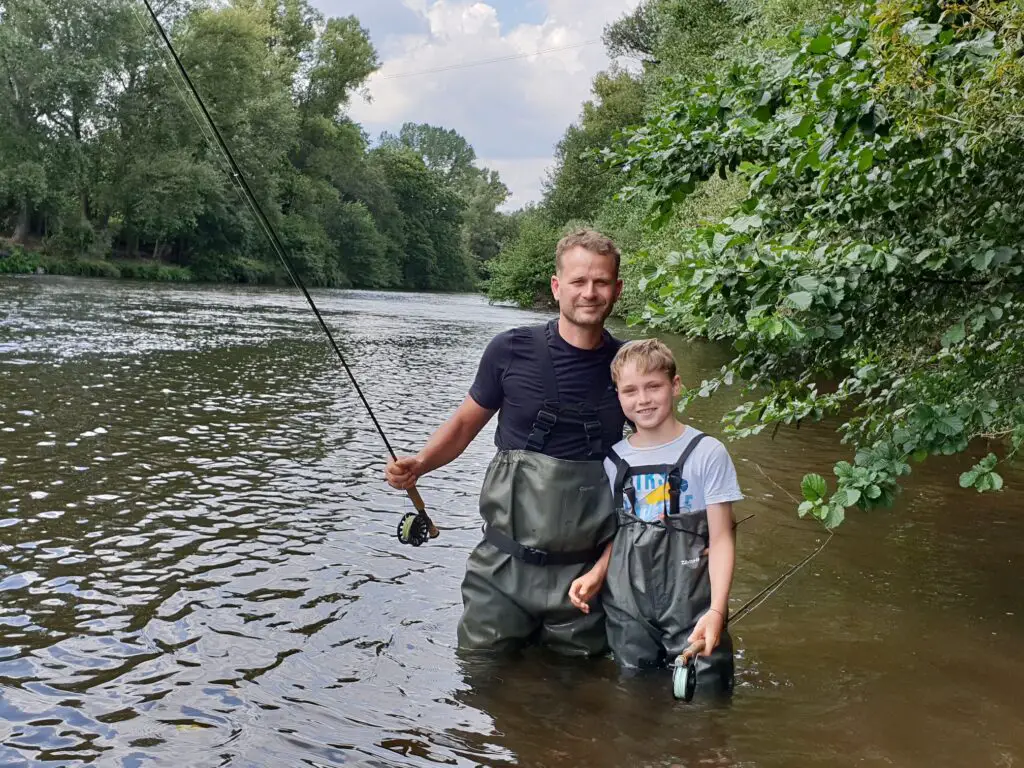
(545, 499)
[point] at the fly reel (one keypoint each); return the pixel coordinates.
(684, 677)
(414, 528)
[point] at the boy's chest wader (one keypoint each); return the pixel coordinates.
(658, 584)
(546, 521)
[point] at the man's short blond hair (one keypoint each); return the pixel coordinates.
(592, 241)
(648, 355)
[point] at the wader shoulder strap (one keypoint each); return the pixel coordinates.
(675, 475)
(535, 556)
(622, 474)
(547, 416)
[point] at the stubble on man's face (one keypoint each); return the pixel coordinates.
(586, 287)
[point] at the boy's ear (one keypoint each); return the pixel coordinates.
(677, 386)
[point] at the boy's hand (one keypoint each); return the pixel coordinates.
(585, 588)
(709, 627)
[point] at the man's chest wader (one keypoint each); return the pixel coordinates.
(546, 521)
(658, 584)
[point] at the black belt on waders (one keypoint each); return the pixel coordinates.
(543, 424)
(534, 556)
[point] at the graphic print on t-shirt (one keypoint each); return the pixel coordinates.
(652, 496)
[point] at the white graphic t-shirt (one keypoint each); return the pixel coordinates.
(708, 476)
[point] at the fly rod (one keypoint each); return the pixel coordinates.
(414, 528)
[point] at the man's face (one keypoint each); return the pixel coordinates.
(586, 287)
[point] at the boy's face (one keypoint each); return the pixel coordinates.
(647, 398)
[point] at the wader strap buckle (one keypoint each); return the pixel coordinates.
(542, 426)
(675, 482)
(593, 430)
(534, 556)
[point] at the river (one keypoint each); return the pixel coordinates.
(198, 562)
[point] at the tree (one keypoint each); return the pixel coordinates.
(450, 155)
(432, 218)
(635, 34)
(523, 273)
(442, 150)
(100, 156)
(24, 182)
(579, 185)
(874, 267)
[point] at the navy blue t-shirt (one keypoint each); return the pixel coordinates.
(509, 380)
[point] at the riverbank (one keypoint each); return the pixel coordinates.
(229, 270)
(17, 260)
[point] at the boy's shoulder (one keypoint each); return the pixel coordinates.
(708, 444)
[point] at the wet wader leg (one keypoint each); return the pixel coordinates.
(566, 629)
(545, 519)
(635, 642)
(493, 617)
(634, 639)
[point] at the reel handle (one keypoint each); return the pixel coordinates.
(692, 650)
(417, 501)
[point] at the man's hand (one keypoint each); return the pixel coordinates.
(709, 627)
(585, 588)
(403, 473)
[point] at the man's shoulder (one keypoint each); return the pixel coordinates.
(510, 339)
(519, 333)
(612, 340)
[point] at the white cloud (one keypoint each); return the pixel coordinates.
(522, 175)
(513, 112)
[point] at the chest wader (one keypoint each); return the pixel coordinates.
(546, 521)
(658, 584)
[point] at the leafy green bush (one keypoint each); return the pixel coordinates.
(154, 270)
(18, 261)
(881, 242)
(522, 274)
(233, 269)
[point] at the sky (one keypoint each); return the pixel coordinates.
(513, 112)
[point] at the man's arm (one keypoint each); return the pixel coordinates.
(444, 446)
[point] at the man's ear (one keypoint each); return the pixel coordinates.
(677, 386)
(554, 287)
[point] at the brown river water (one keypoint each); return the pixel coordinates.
(198, 563)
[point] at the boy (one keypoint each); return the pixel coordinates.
(668, 570)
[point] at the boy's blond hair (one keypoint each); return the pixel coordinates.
(648, 355)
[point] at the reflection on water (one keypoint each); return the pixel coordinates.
(198, 564)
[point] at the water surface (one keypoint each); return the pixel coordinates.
(198, 564)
